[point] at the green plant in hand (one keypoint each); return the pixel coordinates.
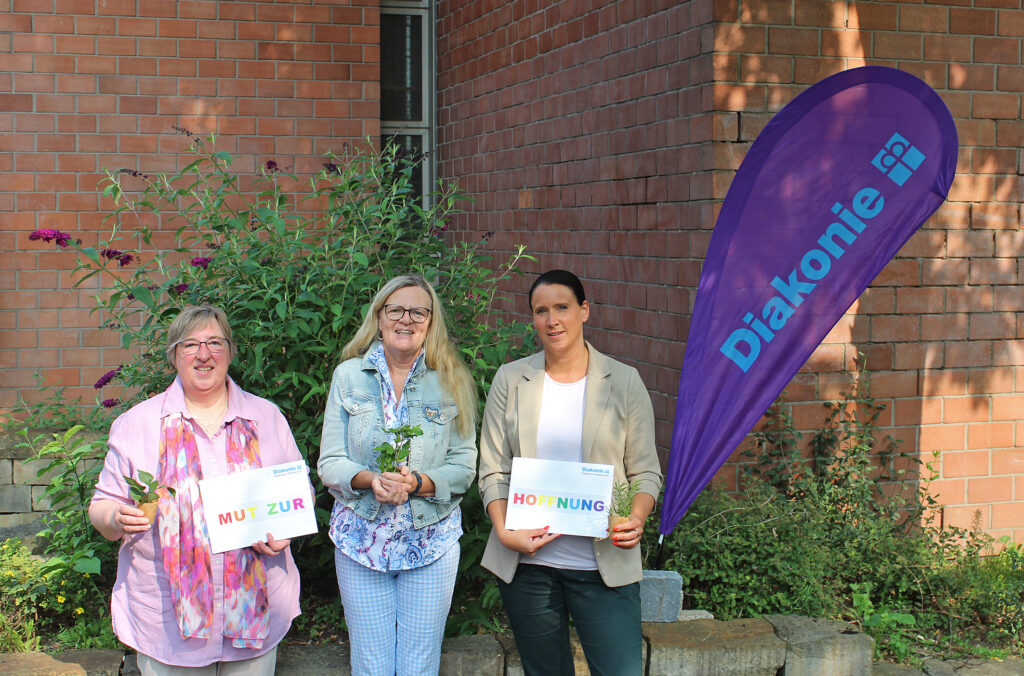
(623, 493)
(390, 455)
(146, 489)
(146, 493)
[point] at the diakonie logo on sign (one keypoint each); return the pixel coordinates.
(897, 160)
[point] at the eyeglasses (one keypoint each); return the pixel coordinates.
(214, 345)
(417, 314)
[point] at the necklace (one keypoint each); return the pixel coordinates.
(210, 419)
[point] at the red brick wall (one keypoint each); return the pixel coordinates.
(604, 136)
(88, 85)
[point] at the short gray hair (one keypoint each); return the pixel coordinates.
(192, 318)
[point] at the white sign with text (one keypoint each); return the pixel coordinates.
(571, 498)
(242, 507)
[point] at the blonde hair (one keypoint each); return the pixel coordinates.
(440, 355)
(192, 318)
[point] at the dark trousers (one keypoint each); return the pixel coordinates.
(540, 600)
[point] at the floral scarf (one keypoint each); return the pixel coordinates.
(185, 544)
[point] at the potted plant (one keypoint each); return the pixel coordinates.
(146, 493)
(391, 455)
(623, 493)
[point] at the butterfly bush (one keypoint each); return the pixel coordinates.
(293, 260)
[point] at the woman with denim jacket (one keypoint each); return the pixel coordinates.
(396, 532)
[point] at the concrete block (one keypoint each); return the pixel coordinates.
(460, 656)
(514, 664)
(15, 499)
(472, 655)
(320, 660)
(6, 471)
(40, 500)
(25, 472)
(887, 669)
(714, 648)
(820, 647)
(661, 596)
(70, 663)
(1012, 666)
(686, 615)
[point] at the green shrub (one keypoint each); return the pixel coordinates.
(847, 530)
(45, 596)
(294, 263)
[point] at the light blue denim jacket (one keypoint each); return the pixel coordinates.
(353, 424)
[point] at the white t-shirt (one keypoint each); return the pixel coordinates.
(560, 437)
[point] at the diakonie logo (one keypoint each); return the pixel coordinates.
(898, 160)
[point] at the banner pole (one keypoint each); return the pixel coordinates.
(661, 550)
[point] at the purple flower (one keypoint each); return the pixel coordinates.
(332, 168)
(106, 378)
(180, 288)
(51, 235)
(201, 262)
(110, 403)
(186, 132)
(272, 167)
(134, 172)
(121, 257)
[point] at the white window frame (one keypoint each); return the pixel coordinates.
(425, 129)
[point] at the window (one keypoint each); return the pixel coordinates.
(407, 83)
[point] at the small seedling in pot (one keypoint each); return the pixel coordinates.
(623, 493)
(145, 493)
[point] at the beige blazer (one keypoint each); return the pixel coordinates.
(618, 430)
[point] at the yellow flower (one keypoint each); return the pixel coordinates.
(79, 610)
(60, 599)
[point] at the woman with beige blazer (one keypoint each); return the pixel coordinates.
(569, 402)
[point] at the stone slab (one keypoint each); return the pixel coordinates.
(714, 648)
(514, 664)
(821, 647)
(1012, 666)
(15, 499)
(70, 663)
(687, 615)
(6, 471)
(472, 655)
(889, 669)
(661, 596)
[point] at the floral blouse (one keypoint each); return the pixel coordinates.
(390, 542)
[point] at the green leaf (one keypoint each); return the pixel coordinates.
(88, 565)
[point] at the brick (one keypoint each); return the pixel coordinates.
(990, 435)
(971, 21)
(996, 50)
(995, 106)
(992, 489)
(924, 19)
(1008, 515)
(965, 409)
(965, 517)
(1008, 461)
(962, 463)
(1007, 406)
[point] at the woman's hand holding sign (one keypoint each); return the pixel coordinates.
(524, 540)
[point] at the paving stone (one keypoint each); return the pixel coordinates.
(889, 669)
(820, 647)
(70, 663)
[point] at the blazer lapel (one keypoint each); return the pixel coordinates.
(528, 398)
(597, 396)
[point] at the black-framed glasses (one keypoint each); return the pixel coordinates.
(190, 347)
(417, 314)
